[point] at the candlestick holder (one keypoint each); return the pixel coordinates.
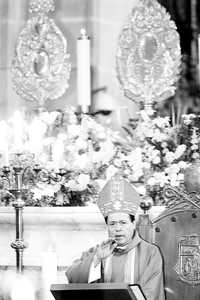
(83, 109)
(15, 183)
(19, 245)
(11, 181)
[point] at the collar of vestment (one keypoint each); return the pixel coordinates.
(120, 250)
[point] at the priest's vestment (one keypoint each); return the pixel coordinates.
(147, 269)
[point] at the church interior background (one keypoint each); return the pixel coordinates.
(57, 149)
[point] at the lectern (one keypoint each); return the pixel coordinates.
(97, 291)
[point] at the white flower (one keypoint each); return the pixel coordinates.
(135, 157)
(111, 170)
(141, 189)
(156, 160)
(147, 165)
(83, 180)
(152, 154)
(195, 155)
(151, 181)
(93, 151)
(49, 117)
(159, 136)
(135, 161)
(182, 164)
(104, 155)
(81, 162)
(174, 180)
(100, 132)
(158, 178)
(101, 135)
(136, 175)
(71, 184)
(4, 130)
(173, 169)
(80, 143)
(78, 184)
(173, 172)
(117, 162)
(180, 177)
(194, 147)
(73, 130)
(43, 189)
(187, 119)
(161, 122)
(179, 151)
(170, 157)
(164, 144)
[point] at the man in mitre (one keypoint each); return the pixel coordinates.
(125, 256)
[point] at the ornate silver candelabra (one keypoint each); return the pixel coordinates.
(19, 245)
(11, 186)
(15, 183)
(41, 71)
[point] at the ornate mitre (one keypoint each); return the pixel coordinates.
(148, 55)
(118, 195)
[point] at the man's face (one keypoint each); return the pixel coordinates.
(120, 227)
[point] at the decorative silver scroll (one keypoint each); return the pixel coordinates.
(148, 55)
(41, 67)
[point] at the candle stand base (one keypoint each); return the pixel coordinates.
(84, 109)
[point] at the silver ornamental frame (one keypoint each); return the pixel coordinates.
(148, 56)
(41, 67)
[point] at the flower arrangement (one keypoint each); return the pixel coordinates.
(163, 152)
(82, 155)
(74, 155)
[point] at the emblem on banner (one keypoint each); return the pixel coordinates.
(188, 265)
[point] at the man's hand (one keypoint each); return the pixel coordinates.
(104, 250)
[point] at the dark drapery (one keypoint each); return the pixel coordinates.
(180, 11)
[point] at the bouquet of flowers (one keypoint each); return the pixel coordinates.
(163, 151)
(72, 156)
(75, 158)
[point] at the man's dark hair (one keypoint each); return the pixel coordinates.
(132, 217)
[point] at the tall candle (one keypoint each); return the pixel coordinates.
(4, 138)
(6, 156)
(49, 272)
(17, 131)
(83, 69)
(199, 55)
(22, 289)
